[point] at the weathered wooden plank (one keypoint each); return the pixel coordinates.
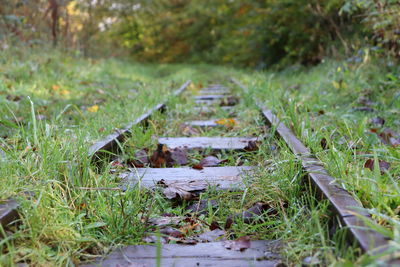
(208, 102)
(209, 97)
(215, 143)
(208, 109)
(8, 212)
(223, 177)
(110, 142)
(203, 124)
(215, 87)
(260, 253)
(214, 91)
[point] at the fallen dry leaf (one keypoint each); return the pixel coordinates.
(161, 157)
(197, 167)
(188, 228)
(229, 101)
(214, 225)
(185, 241)
(383, 165)
(179, 156)
(211, 236)
(229, 123)
(389, 137)
(378, 121)
(141, 159)
(188, 130)
(154, 239)
(64, 92)
(249, 215)
(324, 143)
(14, 98)
(171, 232)
(240, 244)
(166, 220)
(93, 108)
(185, 190)
(251, 146)
(210, 161)
(202, 206)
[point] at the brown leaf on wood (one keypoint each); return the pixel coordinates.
(13, 98)
(154, 239)
(324, 143)
(183, 240)
(389, 137)
(255, 211)
(188, 130)
(228, 123)
(228, 223)
(251, 146)
(229, 101)
(211, 236)
(383, 165)
(189, 228)
(210, 161)
(117, 163)
(201, 207)
(197, 167)
(248, 216)
(378, 121)
(141, 159)
(165, 220)
(394, 141)
(179, 156)
(214, 225)
(171, 232)
(240, 244)
(161, 157)
(185, 190)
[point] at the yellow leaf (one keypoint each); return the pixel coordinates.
(64, 92)
(93, 108)
(226, 122)
(336, 84)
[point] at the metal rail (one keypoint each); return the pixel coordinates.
(110, 142)
(9, 208)
(342, 202)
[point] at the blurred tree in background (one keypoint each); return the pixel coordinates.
(256, 33)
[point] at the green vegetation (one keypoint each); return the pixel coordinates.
(258, 33)
(347, 113)
(328, 69)
(46, 143)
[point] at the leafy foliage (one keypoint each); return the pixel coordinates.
(256, 33)
(381, 20)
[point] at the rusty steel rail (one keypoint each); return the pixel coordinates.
(110, 142)
(348, 209)
(9, 207)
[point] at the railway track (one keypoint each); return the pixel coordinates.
(214, 131)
